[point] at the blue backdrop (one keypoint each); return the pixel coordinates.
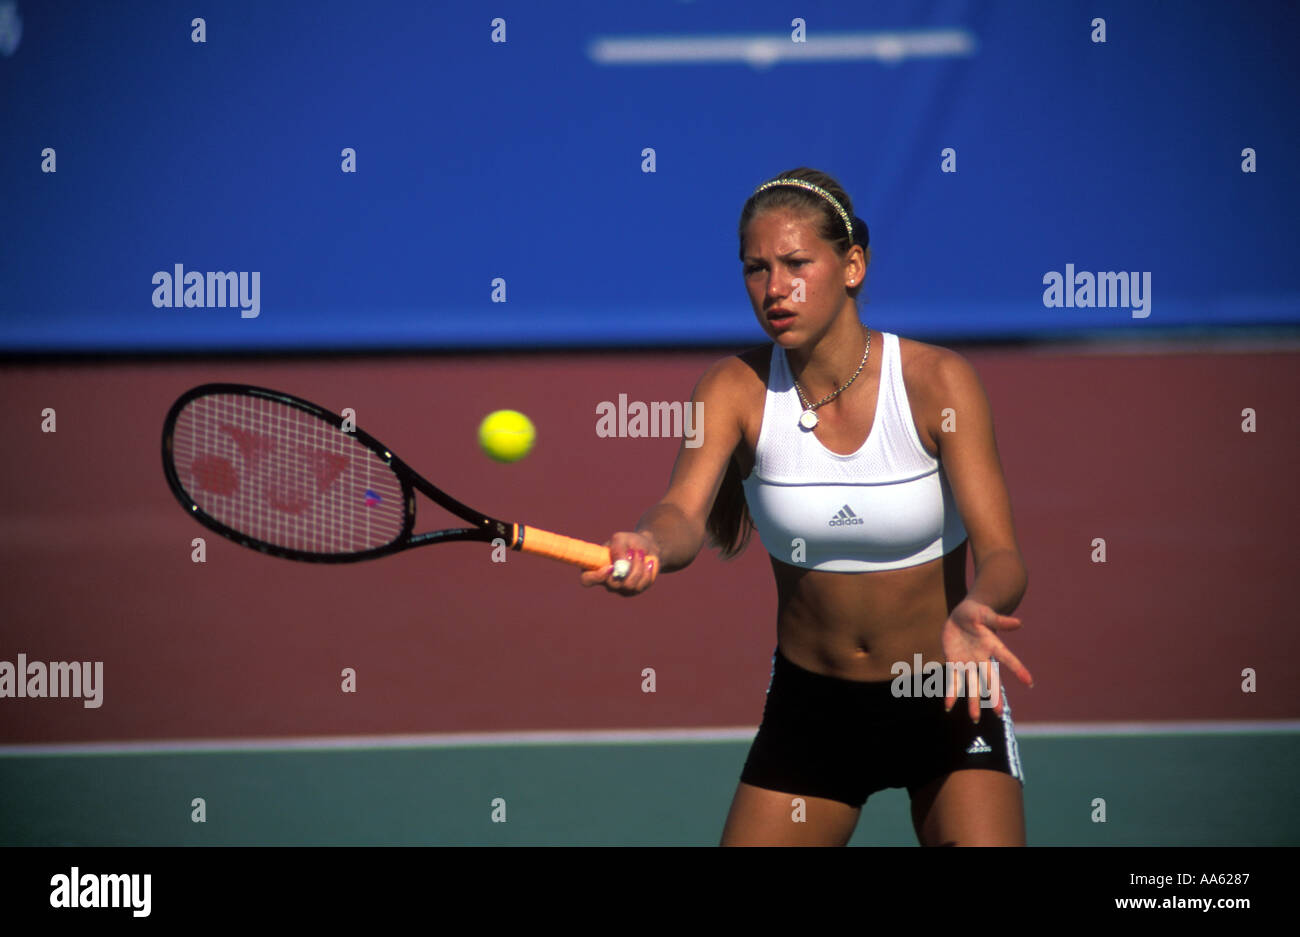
(524, 161)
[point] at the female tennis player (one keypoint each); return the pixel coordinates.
(866, 462)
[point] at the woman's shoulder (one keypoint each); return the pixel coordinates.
(932, 369)
(744, 372)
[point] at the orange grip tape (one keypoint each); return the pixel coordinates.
(566, 549)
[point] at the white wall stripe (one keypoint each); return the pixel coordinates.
(764, 50)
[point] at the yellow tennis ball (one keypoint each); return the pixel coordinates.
(506, 435)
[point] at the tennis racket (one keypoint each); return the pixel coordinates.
(281, 475)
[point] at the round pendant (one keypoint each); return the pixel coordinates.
(808, 420)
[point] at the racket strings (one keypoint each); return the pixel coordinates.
(285, 477)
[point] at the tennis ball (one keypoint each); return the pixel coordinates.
(506, 435)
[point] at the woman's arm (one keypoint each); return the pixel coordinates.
(969, 454)
(669, 535)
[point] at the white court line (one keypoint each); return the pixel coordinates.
(764, 50)
(598, 737)
(1215, 727)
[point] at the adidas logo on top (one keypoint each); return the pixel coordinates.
(979, 746)
(844, 517)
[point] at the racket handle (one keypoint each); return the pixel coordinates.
(558, 547)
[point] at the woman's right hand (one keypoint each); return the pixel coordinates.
(640, 550)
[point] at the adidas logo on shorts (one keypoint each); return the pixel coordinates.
(845, 517)
(979, 746)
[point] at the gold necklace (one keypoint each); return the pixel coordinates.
(808, 419)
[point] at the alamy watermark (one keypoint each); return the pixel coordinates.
(934, 680)
(1107, 289)
(212, 290)
(79, 889)
(658, 418)
(58, 679)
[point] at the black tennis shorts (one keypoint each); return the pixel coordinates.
(847, 739)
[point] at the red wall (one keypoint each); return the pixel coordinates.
(1145, 451)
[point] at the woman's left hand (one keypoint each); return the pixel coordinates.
(969, 638)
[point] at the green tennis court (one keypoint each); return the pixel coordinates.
(1201, 789)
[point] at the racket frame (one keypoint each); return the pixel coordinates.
(486, 529)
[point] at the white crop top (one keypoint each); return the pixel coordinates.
(886, 506)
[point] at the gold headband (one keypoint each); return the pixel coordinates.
(811, 188)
